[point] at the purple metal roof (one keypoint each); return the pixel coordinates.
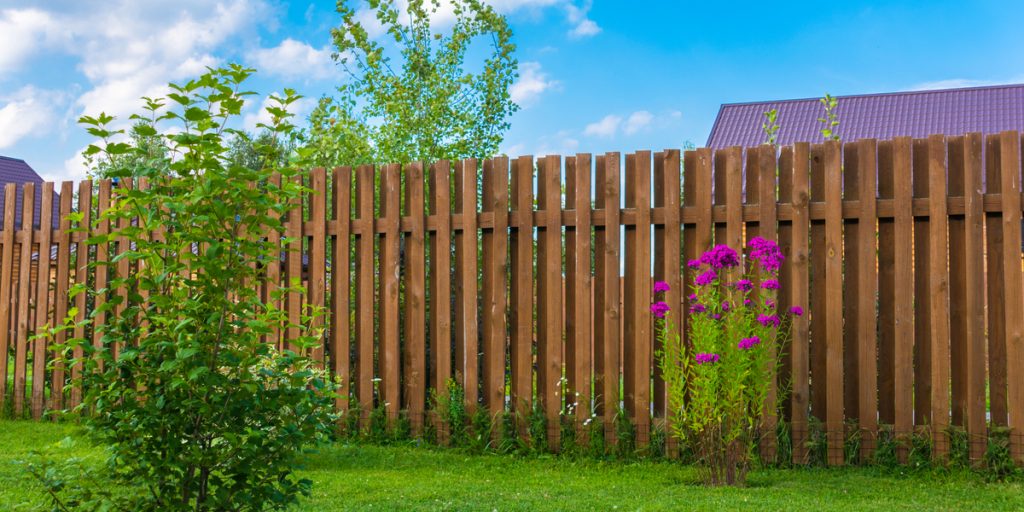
(881, 116)
(18, 172)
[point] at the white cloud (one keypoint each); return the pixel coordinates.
(582, 25)
(956, 83)
(22, 32)
(27, 112)
(637, 121)
(531, 84)
(294, 59)
(606, 127)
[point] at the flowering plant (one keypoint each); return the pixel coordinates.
(718, 382)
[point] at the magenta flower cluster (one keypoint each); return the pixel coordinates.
(766, 253)
(719, 257)
(770, 284)
(796, 311)
(769, 320)
(659, 309)
(661, 287)
(706, 358)
(749, 343)
(743, 285)
(707, 277)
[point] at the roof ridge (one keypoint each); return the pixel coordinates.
(11, 158)
(879, 94)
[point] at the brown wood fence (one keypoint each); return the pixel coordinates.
(906, 254)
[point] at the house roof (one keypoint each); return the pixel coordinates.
(13, 170)
(881, 116)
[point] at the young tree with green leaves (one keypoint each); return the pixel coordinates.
(417, 93)
(199, 412)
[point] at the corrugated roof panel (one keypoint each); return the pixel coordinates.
(13, 170)
(882, 116)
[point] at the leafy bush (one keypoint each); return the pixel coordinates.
(199, 410)
(718, 387)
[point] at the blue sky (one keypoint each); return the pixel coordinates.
(595, 76)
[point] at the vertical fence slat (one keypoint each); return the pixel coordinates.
(414, 270)
(903, 296)
(24, 284)
(851, 278)
(608, 168)
(922, 293)
(637, 334)
(60, 291)
(495, 250)
(273, 272)
(549, 290)
(293, 268)
(818, 352)
(799, 296)
(667, 253)
(939, 288)
(466, 326)
(1010, 167)
(521, 351)
(886, 288)
(341, 286)
(6, 280)
(733, 199)
(996, 287)
(43, 276)
(388, 355)
(766, 228)
(578, 284)
(364, 291)
(867, 287)
(440, 279)
(834, 426)
(974, 271)
(957, 282)
(123, 267)
(81, 279)
(317, 268)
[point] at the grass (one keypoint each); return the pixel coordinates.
(351, 477)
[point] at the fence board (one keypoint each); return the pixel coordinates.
(1010, 167)
(42, 303)
(364, 291)
(851, 278)
(957, 282)
(903, 295)
(440, 277)
(834, 426)
(886, 288)
(24, 285)
(60, 293)
(6, 280)
(466, 327)
(414, 264)
(293, 269)
(922, 292)
(974, 272)
(317, 268)
(123, 266)
(799, 348)
(388, 354)
(607, 372)
(996, 288)
(768, 169)
(495, 249)
(939, 289)
(81, 279)
(521, 350)
(272, 282)
(341, 284)
(578, 285)
(818, 353)
(549, 290)
(867, 287)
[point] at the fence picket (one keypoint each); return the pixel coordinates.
(799, 348)
(903, 295)
(414, 262)
(42, 302)
(341, 284)
(549, 291)
(867, 288)
(495, 249)
(1010, 168)
(521, 349)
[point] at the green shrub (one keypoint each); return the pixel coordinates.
(198, 410)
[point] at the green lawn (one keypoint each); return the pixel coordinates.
(405, 478)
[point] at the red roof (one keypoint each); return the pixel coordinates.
(880, 116)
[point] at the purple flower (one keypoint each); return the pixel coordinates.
(694, 264)
(748, 343)
(707, 277)
(661, 286)
(747, 302)
(715, 316)
(697, 308)
(766, 253)
(720, 256)
(796, 311)
(770, 284)
(766, 320)
(743, 285)
(706, 358)
(692, 297)
(659, 309)
(770, 303)
(726, 306)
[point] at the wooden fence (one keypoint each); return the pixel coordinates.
(906, 254)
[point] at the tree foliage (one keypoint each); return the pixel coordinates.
(414, 95)
(198, 410)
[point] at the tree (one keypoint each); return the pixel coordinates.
(198, 410)
(413, 96)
